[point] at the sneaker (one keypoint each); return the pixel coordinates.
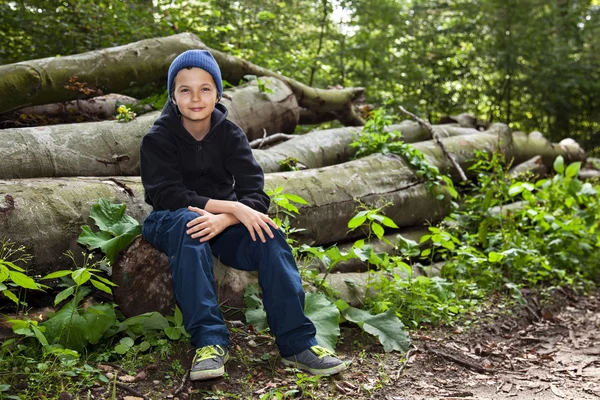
(317, 360)
(209, 362)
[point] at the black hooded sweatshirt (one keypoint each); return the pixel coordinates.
(179, 171)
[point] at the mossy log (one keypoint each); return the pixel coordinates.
(116, 69)
(111, 148)
(46, 214)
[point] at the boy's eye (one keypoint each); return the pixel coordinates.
(185, 90)
(206, 89)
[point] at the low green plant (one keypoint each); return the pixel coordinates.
(125, 114)
(116, 229)
(13, 278)
(375, 138)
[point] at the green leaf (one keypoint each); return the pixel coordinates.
(81, 276)
(64, 294)
(117, 230)
(559, 165)
(295, 198)
(573, 170)
(99, 318)
(23, 280)
(13, 266)
(386, 327)
(257, 317)
(106, 214)
(326, 318)
(515, 189)
(101, 286)
(57, 274)
(178, 316)
(377, 230)
(144, 346)
(67, 328)
(127, 342)
(10, 295)
(389, 222)
(495, 257)
(143, 323)
(39, 335)
(173, 332)
(106, 281)
(341, 305)
(120, 349)
(357, 220)
(104, 241)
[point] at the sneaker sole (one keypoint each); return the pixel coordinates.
(210, 373)
(329, 371)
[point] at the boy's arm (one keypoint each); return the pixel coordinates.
(163, 183)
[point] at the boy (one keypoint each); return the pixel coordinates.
(206, 190)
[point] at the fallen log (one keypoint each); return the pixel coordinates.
(100, 107)
(534, 166)
(116, 69)
(45, 214)
(131, 273)
(112, 148)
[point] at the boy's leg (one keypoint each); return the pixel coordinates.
(283, 294)
(192, 275)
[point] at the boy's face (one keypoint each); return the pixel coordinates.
(195, 94)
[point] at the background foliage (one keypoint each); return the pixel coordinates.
(534, 64)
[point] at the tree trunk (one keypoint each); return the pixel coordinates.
(100, 107)
(111, 148)
(116, 69)
(46, 214)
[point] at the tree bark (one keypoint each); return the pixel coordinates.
(100, 107)
(111, 148)
(115, 69)
(46, 214)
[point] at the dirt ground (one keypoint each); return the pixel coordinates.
(520, 352)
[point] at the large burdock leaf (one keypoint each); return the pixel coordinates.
(326, 317)
(117, 230)
(386, 327)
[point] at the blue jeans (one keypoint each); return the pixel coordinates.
(195, 288)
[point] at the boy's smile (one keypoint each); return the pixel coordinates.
(195, 95)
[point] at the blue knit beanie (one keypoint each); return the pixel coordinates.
(195, 58)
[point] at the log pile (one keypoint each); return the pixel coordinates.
(50, 176)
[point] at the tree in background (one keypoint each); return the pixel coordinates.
(534, 64)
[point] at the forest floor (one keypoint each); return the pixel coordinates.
(531, 351)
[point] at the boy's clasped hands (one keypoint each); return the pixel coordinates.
(209, 225)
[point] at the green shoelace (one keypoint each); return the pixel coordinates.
(208, 352)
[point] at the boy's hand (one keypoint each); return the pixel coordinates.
(256, 222)
(207, 225)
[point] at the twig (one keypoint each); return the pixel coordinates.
(437, 139)
(406, 359)
(131, 390)
(264, 141)
(180, 388)
(459, 361)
